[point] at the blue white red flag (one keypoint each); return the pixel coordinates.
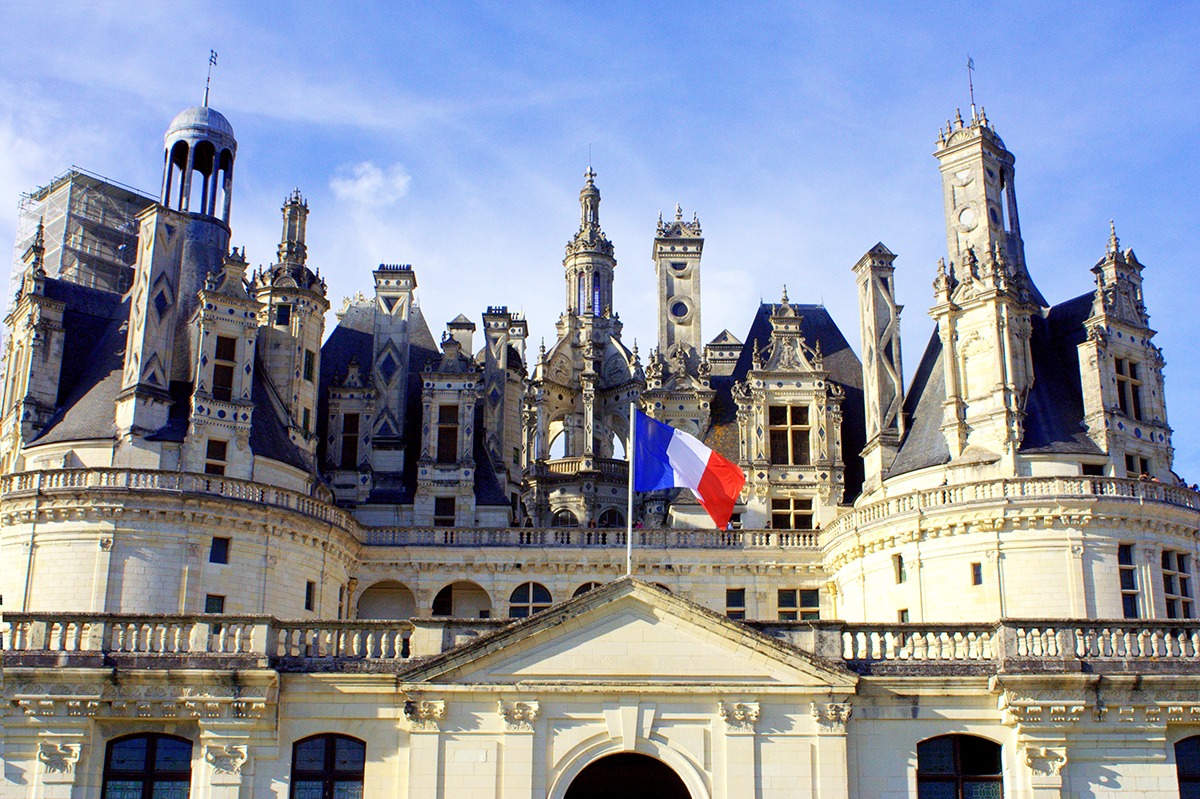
(668, 458)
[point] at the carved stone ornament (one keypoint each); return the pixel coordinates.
(833, 716)
(424, 714)
(519, 716)
(225, 758)
(1045, 762)
(58, 758)
(739, 716)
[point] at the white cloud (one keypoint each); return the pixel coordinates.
(367, 184)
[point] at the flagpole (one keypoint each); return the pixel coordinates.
(629, 453)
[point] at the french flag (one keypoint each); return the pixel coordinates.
(664, 457)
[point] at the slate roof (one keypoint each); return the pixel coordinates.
(1054, 413)
(354, 338)
(924, 445)
(844, 368)
(94, 328)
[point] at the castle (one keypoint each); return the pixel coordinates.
(242, 555)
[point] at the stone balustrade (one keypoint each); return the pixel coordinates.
(307, 644)
(320, 645)
(49, 482)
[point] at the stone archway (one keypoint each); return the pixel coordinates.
(629, 775)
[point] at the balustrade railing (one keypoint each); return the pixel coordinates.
(204, 635)
(600, 537)
(1015, 489)
(323, 644)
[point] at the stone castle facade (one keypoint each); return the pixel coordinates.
(243, 555)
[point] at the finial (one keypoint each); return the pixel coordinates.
(983, 120)
(1114, 244)
(958, 120)
(660, 222)
(212, 62)
(971, 84)
(678, 212)
(39, 238)
(590, 175)
(785, 296)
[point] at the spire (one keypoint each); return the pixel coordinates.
(678, 212)
(589, 202)
(1114, 244)
(292, 248)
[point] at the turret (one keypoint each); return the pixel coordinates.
(292, 325)
(184, 240)
(589, 261)
(677, 248)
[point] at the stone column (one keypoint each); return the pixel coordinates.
(830, 769)
(424, 766)
(519, 720)
(740, 751)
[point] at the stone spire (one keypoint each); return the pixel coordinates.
(292, 249)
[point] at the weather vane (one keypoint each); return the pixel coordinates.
(970, 81)
(212, 62)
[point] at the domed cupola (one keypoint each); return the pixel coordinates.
(198, 171)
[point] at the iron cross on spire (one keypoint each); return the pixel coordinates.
(971, 82)
(212, 62)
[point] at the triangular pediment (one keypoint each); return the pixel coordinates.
(628, 632)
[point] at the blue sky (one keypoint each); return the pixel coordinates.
(454, 137)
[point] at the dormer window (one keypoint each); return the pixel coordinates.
(283, 315)
(788, 429)
(447, 434)
(1129, 388)
(223, 368)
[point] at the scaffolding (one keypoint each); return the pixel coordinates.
(91, 230)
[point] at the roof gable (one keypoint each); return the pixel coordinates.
(629, 632)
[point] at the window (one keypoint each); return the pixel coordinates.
(283, 314)
(214, 456)
(305, 420)
(792, 513)
(902, 615)
(788, 430)
(310, 363)
(223, 366)
(148, 767)
(219, 552)
(214, 603)
(1128, 573)
(1177, 585)
(959, 767)
(976, 574)
(1187, 767)
(612, 518)
(1129, 388)
(1093, 470)
(328, 767)
(310, 595)
(350, 441)
(1136, 466)
(564, 518)
(900, 569)
(735, 603)
(443, 511)
(583, 589)
(529, 598)
(799, 604)
(447, 434)
(341, 600)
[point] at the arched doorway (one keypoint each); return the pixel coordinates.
(629, 775)
(463, 600)
(387, 599)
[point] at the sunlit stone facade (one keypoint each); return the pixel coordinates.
(241, 555)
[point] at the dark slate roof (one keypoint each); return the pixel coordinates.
(1054, 413)
(94, 326)
(354, 338)
(268, 431)
(844, 368)
(924, 445)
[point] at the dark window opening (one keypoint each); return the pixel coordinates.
(788, 435)
(219, 552)
(214, 603)
(801, 604)
(310, 595)
(447, 434)
(310, 364)
(1187, 767)
(147, 767)
(735, 603)
(792, 513)
(350, 441)
(214, 456)
(959, 767)
(328, 767)
(528, 599)
(283, 314)
(444, 511)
